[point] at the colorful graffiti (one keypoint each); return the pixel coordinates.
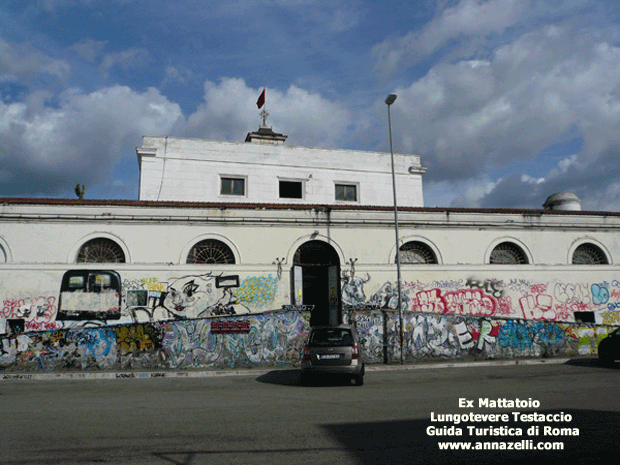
(257, 292)
(517, 298)
(453, 336)
(273, 339)
(197, 296)
(277, 338)
(86, 299)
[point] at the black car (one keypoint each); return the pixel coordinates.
(609, 348)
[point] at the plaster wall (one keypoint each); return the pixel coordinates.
(190, 170)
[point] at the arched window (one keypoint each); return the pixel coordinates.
(508, 253)
(211, 251)
(589, 254)
(101, 250)
(416, 252)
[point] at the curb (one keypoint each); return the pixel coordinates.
(259, 372)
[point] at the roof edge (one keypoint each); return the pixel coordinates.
(5, 201)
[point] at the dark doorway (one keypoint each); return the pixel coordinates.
(316, 282)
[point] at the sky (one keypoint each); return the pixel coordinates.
(505, 101)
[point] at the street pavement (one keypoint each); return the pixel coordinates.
(267, 417)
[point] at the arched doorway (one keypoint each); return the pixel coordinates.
(316, 282)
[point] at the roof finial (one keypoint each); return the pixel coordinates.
(264, 116)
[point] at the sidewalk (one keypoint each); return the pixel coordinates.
(220, 372)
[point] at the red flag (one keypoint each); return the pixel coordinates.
(261, 100)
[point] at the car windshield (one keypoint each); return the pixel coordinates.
(331, 337)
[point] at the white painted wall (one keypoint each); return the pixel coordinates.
(190, 170)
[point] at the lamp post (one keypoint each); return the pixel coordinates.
(389, 101)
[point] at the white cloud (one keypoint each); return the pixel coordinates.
(229, 112)
(469, 119)
(133, 58)
(49, 149)
(466, 18)
(22, 62)
(89, 49)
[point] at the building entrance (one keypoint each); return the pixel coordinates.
(316, 282)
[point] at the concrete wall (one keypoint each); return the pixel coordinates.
(190, 170)
(558, 294)
(277, 338)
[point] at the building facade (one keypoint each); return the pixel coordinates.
(193, 260)
(264, 170)
(292, 240)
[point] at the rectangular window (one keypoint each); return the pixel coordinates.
(291, 190)
(232, 186)
(346, 192)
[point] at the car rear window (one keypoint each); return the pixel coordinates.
(331, 337)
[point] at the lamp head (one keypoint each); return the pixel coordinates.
(390, 99)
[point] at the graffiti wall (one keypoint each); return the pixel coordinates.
(266, 339)
(83, 298)
(278, 338)
(430, 337)
(538, 298)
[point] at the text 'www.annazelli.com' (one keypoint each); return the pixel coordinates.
(526, 444)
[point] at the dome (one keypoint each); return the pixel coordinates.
(563, 201)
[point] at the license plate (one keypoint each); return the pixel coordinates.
(329, 356)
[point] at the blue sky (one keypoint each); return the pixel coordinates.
(506, 101)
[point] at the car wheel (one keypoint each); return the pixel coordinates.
(359, 380)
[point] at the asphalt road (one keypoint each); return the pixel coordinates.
(272, 419)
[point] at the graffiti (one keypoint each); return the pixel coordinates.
(257, 291)
(485, 332)
(460, 302)
(298, 308)
(152, 284)
(92, 298)
(272, 339)
(451, 284)
(465, 338)
(94, 342)
(519, 298)
(131, 339)
(537, 307)
(38, 314)
(600, 294)
(572, 293)
(431, 336)
(489, 286)
(387, 297)
(474, 302)
(277, 338)
(514, 335)
(611, 317)
(353, 288)
(187, 297)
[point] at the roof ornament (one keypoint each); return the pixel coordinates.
(264, 135)
(264, 115)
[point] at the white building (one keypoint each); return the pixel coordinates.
(264, 170)
(303, 227)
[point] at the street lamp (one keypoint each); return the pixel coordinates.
(389, 101)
